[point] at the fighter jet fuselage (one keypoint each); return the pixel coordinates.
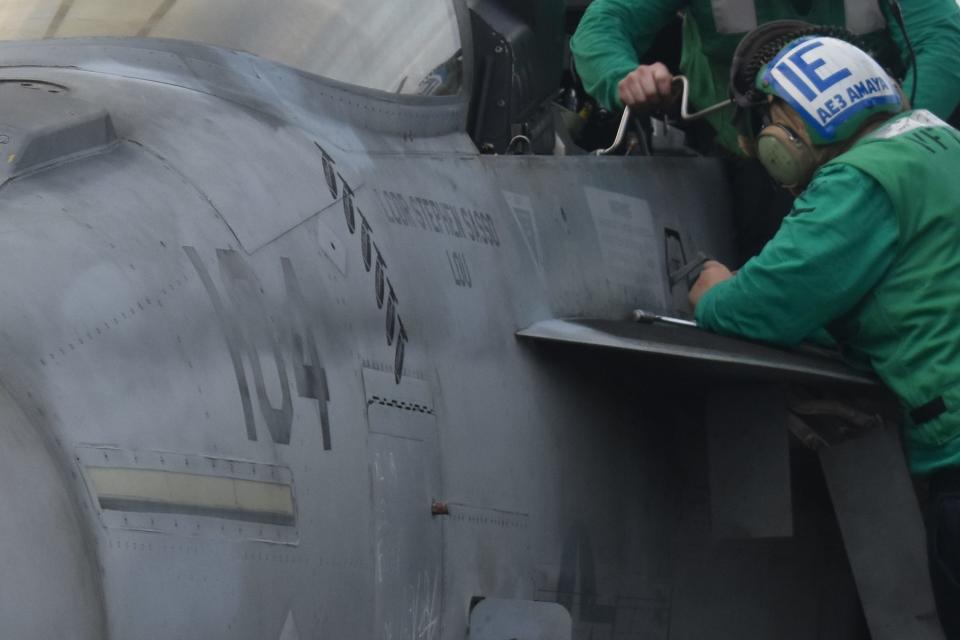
(260, 376)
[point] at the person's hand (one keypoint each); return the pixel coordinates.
(647, 87)
(712, 274)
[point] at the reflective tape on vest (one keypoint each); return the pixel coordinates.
(919, 119)
(828, 81)
(863, 16)
(734, 16)
(740, 16)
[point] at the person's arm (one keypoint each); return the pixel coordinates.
(838, 241)
(934, 30)
(612, 36)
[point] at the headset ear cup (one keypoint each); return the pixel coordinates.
(787, 158)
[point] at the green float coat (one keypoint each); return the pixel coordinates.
(870, 251)
(615, 33)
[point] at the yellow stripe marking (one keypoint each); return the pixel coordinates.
(193, 490)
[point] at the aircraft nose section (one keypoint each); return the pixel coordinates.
(50, 582)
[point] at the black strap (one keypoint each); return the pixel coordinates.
(930, 411)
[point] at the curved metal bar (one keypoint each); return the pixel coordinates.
(521, 139)
(621, 132)
(685, 114)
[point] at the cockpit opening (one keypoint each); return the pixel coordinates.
(402, 46)
(526, 95)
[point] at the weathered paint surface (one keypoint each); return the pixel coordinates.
(250, 287)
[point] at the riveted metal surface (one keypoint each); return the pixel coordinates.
(176, 294)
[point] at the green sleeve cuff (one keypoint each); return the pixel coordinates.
(838, 241)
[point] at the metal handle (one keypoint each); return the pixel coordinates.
(621, 131)
(685, 114)
(649, 317)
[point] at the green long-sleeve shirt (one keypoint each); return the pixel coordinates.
(823, 268)
(838, 241)
(614, 34)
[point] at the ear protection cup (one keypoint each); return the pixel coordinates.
(787, 158)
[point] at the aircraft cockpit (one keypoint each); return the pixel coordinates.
(523, 92)
(405, 47)
(526, 96)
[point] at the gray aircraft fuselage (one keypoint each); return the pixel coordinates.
(260, 376)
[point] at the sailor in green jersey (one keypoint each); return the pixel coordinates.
(614, 34)
(870, 251)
